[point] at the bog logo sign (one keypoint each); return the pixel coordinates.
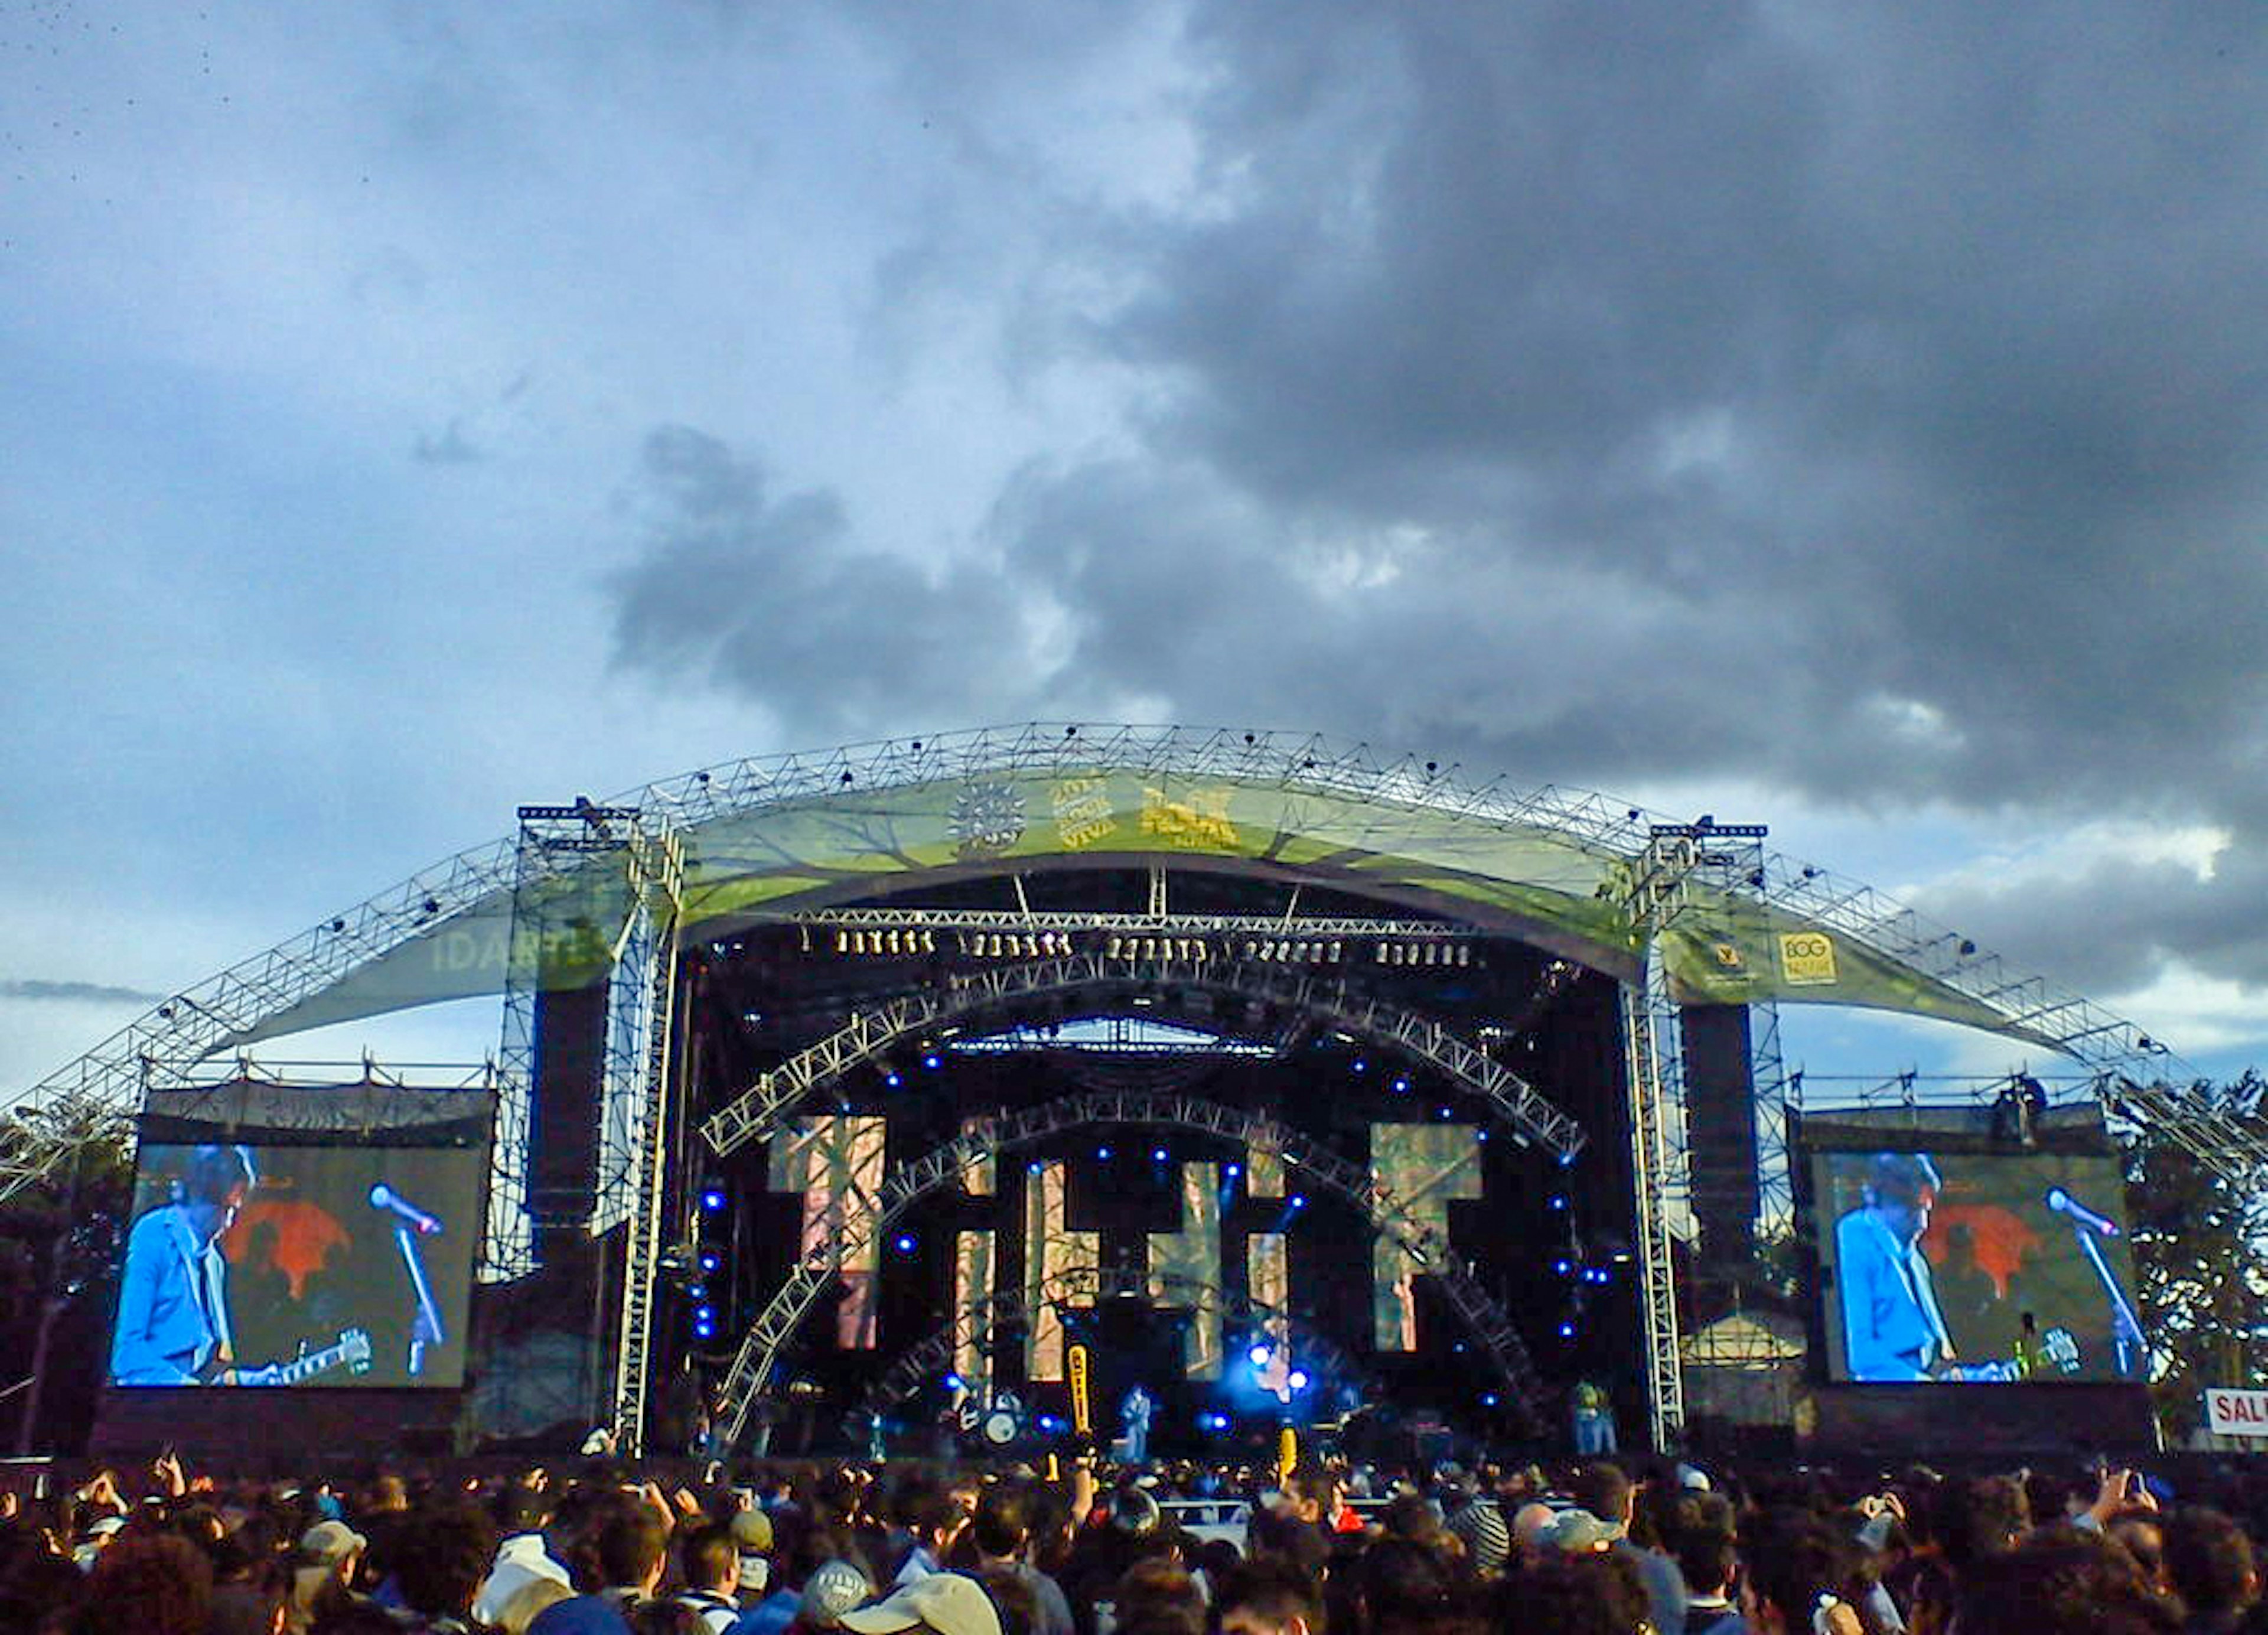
(2237, 1413)
(1806, 958)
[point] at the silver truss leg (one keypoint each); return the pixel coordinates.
(659, 864)
(1650, 1165)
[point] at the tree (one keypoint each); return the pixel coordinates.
(2197, 1241)
(60, 1241)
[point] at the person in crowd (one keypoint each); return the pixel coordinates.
(928, 1516)
(1270, 1596)
(2209, 1563)
(522, 1512)
(628, 1547)
(1001, 1532)
(753, 1540)
(1707, 1562)
(937, 1604)
(709, 1562)
(323, 1573)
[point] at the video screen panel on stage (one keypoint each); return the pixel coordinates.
(308, 1266)
(1980, 1268)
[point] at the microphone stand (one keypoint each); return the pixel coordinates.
(2125, 1327)
(425, 1330)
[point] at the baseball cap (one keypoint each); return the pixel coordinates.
(1579, 1532)
(833, 1588)
(752, 1530)
(332, 1541)
(951, 1603)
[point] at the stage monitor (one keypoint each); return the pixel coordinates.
(342, 1260)
(1991, 1267)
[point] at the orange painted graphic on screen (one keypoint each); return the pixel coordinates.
(291, 1238)
(1990, 1236)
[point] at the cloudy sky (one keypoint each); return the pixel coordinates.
(1846, 417)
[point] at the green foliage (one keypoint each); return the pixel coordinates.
(2198, 1244)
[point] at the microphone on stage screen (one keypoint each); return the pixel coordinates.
(2064, 1203)
(383, 1196)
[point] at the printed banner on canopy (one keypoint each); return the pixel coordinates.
(1541, 884)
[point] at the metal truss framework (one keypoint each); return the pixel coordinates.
(1008, 1313)
(757, 1111)
(96, 1098)
(648, 1023)
(2230, 1142)
(854, 1214)
(1294, 926)
(100, 1094)
(1660, 890)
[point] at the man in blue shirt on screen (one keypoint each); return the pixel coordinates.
(173, 1299)
(1892, 1329)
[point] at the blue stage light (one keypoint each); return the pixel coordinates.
(1563, 1266)
(1488, 1399)
(933, 1061)
(1298, 1378)
(1566, 1330)
(1157, 1155)
(892, 1078)
(713, 1199)
(1102, 1153)
(711, 1261)
(1400, 1084)
(1360, 1065)
(1049, 1422)
(1299, 1200)
(1234, 1169)
(1567, 1161)
(905, 1243)
(1033, 1167)
(952, 1383)
(1558, 1200)
(1258, 1355)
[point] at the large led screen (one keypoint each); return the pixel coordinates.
(1979, 1268)
(298, 1266)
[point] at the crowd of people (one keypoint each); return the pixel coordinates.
(1602, 1547)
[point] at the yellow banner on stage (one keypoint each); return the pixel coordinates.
(1082, 1417)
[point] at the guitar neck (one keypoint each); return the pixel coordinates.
(311, 1364)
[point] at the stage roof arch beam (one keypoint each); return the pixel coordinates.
(757, 1111)
(444, 933)
(758, 1356)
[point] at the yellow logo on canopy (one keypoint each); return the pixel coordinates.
(1200, 822)
(1806, 958)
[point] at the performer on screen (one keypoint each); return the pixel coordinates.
(1892, 1329)
(172, 1302)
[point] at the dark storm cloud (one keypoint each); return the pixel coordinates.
(771, 596)
(1870, 402)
